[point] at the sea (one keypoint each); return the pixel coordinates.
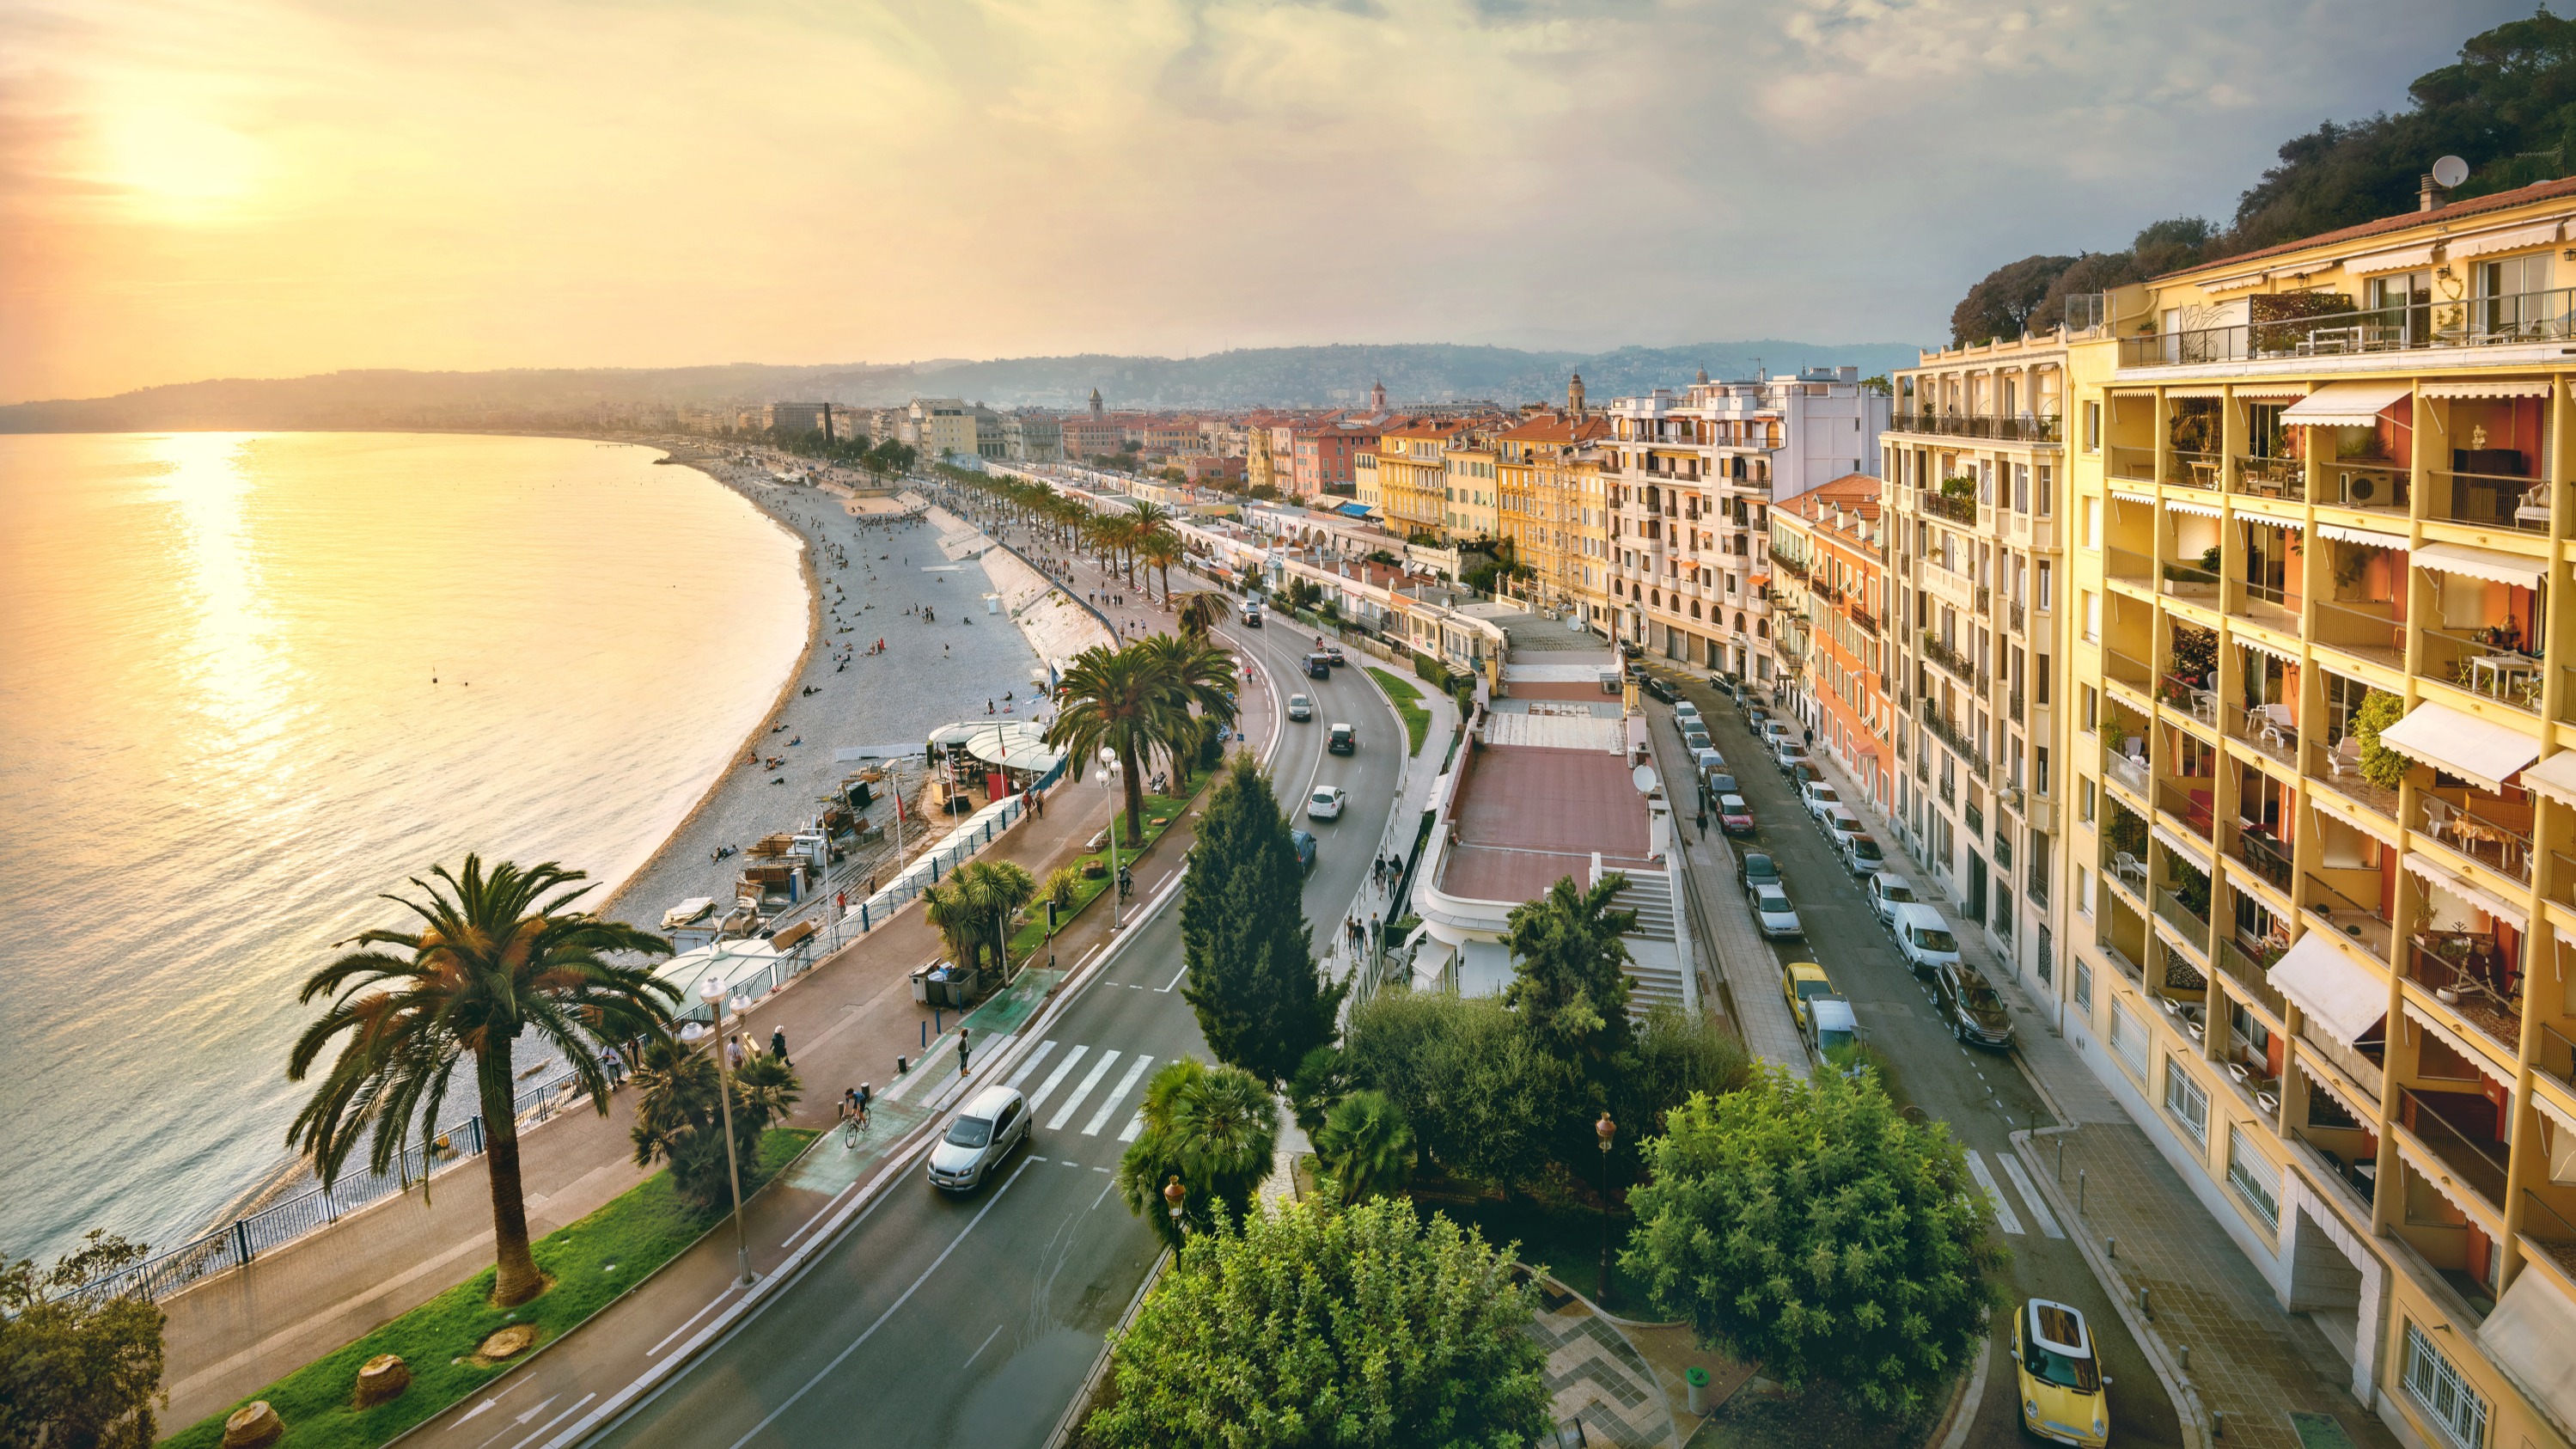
(250, 681)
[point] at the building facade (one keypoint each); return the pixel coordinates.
(1830, 595)
(1413, 476)
(1548, 491)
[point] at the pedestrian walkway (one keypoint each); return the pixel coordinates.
(1738, 955)
(1598, 1378)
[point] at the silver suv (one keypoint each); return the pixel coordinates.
(996, 1121)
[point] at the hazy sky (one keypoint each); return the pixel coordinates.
(197, 188)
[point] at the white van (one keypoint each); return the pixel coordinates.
(1924, 939)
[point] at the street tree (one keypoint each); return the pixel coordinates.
(1366, 1146)
(1215, 1129)
(499, 955)
(1301, 1325)
(1261, 999)
(78, 1370)
(1465, 1072)
(680, 1117)
(1121, 700)
(1567, 983)
(1810, 1228)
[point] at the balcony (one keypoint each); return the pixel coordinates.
(2375, 634)
(2283, 478)
(2358, 923)
(2138, 465)
(1950, 659)
(2358, 1178)
(2194, 581)
(2528, 318)
(2458, 1128)
(2194, 470)
(2362, 1061)
(2557, 1056)
(2548, 1233)
(2127, 669)
(2264, 604)
(2465, 973)
(1975, 816)
(2002, 427)
(2014, 617)
(2339, 769)
(2248, 971)
(2267, 858)
(2268, 729)
(2185, 803)
(2252, 1075)
(2472, 661)
(2130, 771)
(2176, 912)
(2129, 566)
(1948, 732)
(2495, 500)
(2495, 833)
(2188, 694)
(2369, 485)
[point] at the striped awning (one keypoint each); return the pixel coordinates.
(2449, 882)
(2478, 751)
(2400, 259)
(2493, 565)
(2503, 239)
(2262, 645)
(2345, 404)
(2194, 507)
(2492, 387)
(2554, 777)
(2367, 538)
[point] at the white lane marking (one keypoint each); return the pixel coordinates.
(694, 1317)
(891, 1309)
(2021, 1183)
(557, 1419)
(979, 1348)
(496, 1398)
(2004, 1215)
(1175, 981)
(1106, 1188)
(1045, 1048)
(1135, 1125)
(1074, 1099)
(1056, 1077)
(534, 1410)
(1117, 1094)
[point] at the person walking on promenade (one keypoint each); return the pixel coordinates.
(963, 1068)
(733, 1051)
(778, 1045)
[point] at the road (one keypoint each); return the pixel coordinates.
(1981, 1094)
(972, 1320)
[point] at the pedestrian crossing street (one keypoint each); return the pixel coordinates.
(2005, 1218)
(1077, 1071)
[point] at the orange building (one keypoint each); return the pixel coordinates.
(1829, 582)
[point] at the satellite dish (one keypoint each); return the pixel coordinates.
(2450, 171)
(1644, 776)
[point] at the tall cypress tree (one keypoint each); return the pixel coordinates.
(1253, 980)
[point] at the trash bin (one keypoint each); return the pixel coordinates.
(921, 986)
(1697, 1378)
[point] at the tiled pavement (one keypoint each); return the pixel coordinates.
(1598, 1377)
(1722, 921)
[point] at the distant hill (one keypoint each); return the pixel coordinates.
(1251, 377)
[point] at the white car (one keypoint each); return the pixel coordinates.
(1820, 799)
(1886, 891)
(1772, 913)
(996, 1121)
(1841, 828)
(1327, 802)
(1300, 708)
(1786, 753)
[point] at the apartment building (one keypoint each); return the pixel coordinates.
(1549, 507)
(2321, 857)
(1472, 483)
(801, 417)
(1974, 462)
(1413, 476)
(1325, 454)
(1691, 476)
(1031, 436)
(1831, 603)
(942, 426)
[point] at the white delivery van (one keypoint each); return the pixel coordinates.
(1924, 939)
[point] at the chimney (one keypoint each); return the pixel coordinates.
(2429, 193)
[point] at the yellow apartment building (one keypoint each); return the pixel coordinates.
(1413, 477)
(1547, 498)
(2321, 851)
(1473, 485)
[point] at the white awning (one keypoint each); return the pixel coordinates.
(2237, 283)
(2265, 646)
(2344, 404)
(2554, 777)
(2270, 392)
(2494, 387)
(2367, 538)
(2174, 840)
(2192, 507)
(2503, 239)
(2343, 996)
(2400, 259)
(2195, 392)
(2481, 753)
(2490, 564)
(2527, 1335)
(2424, 1021)
(2441, 877)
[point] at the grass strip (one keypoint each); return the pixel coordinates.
(1161, 811)
(591, 1262)
(1408, 704)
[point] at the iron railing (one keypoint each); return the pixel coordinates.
(2002, 427)
(2479, 1164)
(2471, 322)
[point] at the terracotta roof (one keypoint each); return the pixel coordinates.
(2457, 210)
(1854, 492)
(1555, 428)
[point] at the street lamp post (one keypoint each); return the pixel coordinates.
(712, 992)
(1605, 1129)
(1111, 773)
(1172, 1195)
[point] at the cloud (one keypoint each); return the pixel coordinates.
(229, 187)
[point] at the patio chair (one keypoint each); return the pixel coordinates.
(2438, 815)
(2278, 726)
(2534, 507)
(2125, 866)
(2345, 757)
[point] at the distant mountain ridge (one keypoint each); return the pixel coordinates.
(1248, 377)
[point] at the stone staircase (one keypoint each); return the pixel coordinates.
(1655, 967)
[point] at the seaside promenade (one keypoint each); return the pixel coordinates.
(845, 1021)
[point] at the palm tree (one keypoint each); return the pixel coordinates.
(1145, 523)
(499, 955)
(1367, 1146)
(1201, 611)
(1202, 676)
(1161, 548)
(679, 1119)
(1122, 700)
(1214, 1128)
(973, 908)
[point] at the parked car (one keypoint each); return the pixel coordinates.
(1706, 760)
(1733, 815)
(1318, 667)
(1756, 868)
(1829, 1025)
(1862, 857)
(1970, 1007)
(1718, 782)
(1924, 939)
(1818, 798)
(1342, 740)
(1788, 754)
(1885, 891)
(1656, 687)
(1801, 772)
(1695, 739)
(994, 1122)
(1685, 711)
(1327, 802)
(1305, 843)
(2064, 1396)
(1773, 916)
(1800, 980)
(1841, 828)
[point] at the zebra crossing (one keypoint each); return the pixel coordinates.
(1060, 1062)
(2005, 1217)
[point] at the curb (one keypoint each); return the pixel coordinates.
(1965, 1400)
(2186, 1399)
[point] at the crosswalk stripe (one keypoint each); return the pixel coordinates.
(2004, 1215)
(1074, 1098)
(2030, 1195)
(1031, 1065)
(1117, 1094)
(1135, 1127)
(1056, 1076)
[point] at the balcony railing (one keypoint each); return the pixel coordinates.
(2354, 1181)
(2129, 770)
(2338, 768)
(2189, 695)
(1948, 658)
(1975, 816)
(2481, 1165)
(2496, 500)
(2129, 565)
(2359, 1061)
(2002, 427)
(2527, 318)
(2252, 1075)
(2367, 484)
(2548, 1230)
(2371, 634)
(2014, 614)
(2249, 973)
(2127, 669)
(2188, 581)
(2171, 909)
(2194, 470)
(2188, 808)
(2266, 857)
(2557, 1056)
(2135, 464)
(2342, 914)
(1943, 505)
(2456, 981)
(2267, 730)
(2258, 477)
(2494, 833)
(2508, 676)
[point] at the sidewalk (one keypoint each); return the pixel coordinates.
(1737, 955)
(846, 1021)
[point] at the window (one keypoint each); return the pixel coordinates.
(2084, 802)
(2040, 502)
(2438, 1389)
(2083, 978)
(2256, 1181)
(2129, 1039)
(2045, 593)
(2093, 427)
(2186, 1102)
(2039, 780)
(2083, 891)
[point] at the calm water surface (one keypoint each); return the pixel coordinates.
(219, 738)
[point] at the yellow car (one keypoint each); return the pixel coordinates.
(2064, 1397)
(1800, 980)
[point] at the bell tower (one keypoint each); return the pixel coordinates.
(1377, 397)
(1095, 402)
(1574, 396)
